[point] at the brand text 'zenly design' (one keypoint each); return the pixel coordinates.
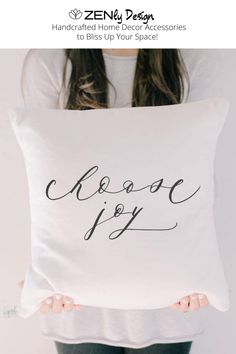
(117, 16)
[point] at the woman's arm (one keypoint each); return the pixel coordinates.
(42, 77)
(205, 69)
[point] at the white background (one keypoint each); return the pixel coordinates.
(23, 336)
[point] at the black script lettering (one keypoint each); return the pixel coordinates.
(180, 181)
(119, 211)
(128, 187)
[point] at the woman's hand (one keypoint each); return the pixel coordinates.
(192, 302)
(59, 303)
(56, 303)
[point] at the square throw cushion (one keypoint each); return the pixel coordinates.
(121, 203)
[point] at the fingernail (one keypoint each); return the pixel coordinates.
(201, 296)
(58, 297)
(48, 301)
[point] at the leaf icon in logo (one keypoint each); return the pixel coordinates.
(75, 14)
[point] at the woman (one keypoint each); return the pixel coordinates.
(98, 78)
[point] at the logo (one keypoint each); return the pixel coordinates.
(114, 15)
(75, 14)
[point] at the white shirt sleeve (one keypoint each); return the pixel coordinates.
(42, 77)
(204, 68)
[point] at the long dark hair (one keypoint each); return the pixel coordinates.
(158, 79)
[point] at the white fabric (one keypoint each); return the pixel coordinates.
(41, 82)
(122, 204)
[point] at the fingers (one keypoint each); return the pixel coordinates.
(184, 303)
(176, 305)
(192, 302)
(57, 304)
(46, 306)
(203, 300)
(68, 303)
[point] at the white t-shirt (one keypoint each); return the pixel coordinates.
(41, 82)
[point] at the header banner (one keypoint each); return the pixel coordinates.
(163, 24)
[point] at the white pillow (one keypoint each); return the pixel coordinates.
(144, 247)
